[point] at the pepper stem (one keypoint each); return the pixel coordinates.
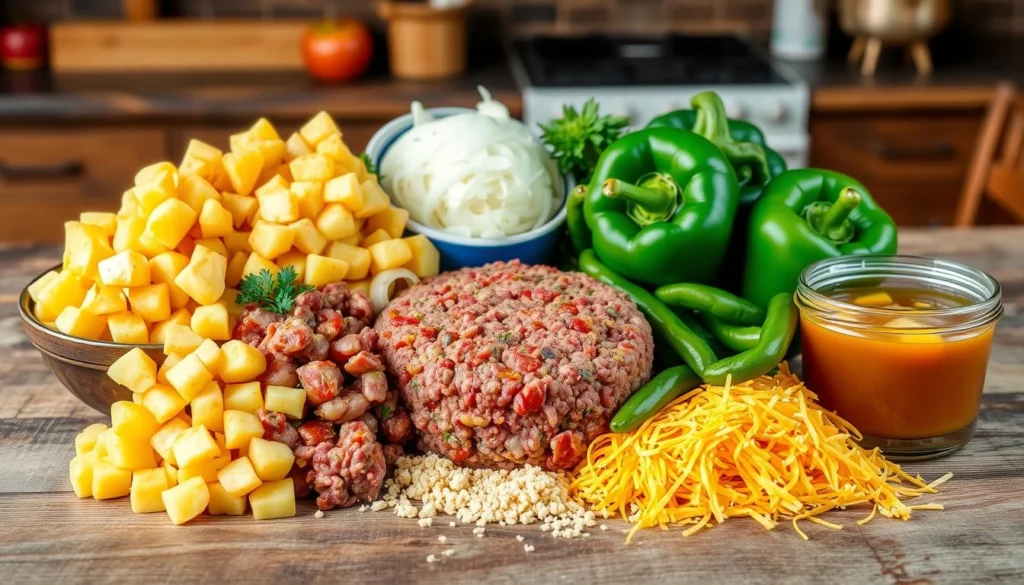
(654, 198)
(833, 220)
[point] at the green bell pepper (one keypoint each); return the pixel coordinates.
(808, 215)
(660, 206)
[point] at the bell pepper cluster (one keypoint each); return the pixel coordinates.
(704, 227)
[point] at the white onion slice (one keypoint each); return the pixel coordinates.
(382, 286)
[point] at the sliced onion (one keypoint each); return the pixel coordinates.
(382, 287)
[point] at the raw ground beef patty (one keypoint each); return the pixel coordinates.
(510, 364)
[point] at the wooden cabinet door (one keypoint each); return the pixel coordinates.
(49, 175)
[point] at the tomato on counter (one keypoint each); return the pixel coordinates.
(337, 51)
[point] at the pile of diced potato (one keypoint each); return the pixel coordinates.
(190, 440)
(185, 236)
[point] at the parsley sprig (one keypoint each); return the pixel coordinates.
(278, 297)
(578, 138)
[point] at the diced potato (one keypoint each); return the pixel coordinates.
(295, 259)
(172, 474)
(358, 259)
(86, 439)
(189, 376)
(237, 242)
(334, 147)
(103, 300)
(132, 420)
(134, 370)
(213, 245)
(205, 469)
(186, 247)
(239, 478)
(214, 220)
(290, 401)
(392, 220)
(211, 321)
(375, 237)
(336, 222)
(137, 397)
(163, 440)
(274, 499)
(150, 172)
(256, 263)
(275, 183)
(208, 407)
(129, 205)
(240, 428)
(40, 283)
(80, 323)
(128, 268)
(321, 270)
(271, 240)
(228, 299)
(312, 167)
(194, 445)
(203, 277)
(374, 199)
(318, 128)
(240, 362)
(151, 302)
(279, 206)
(262, 128)
(271, 149)
(308, 238)
(164, 268)
(106, 222)
(243, 168)
(127, 328)
(85, 247)
(170, 221)
(150, 247)
(181, 316)
(271, 460)
(389, 254)
(209, 353)
(236, 267)
(180, 339)
(109, 481)
(163, 403)
(169, 361)
(195, 191)
(128, 231)
(246, 397)
(295, 147)
(129, 453)
(344, 190)
(221, 441)
(147, 485)
(223, 503)
(242, 208)
(360, 286)
(100, 448)
(80, 470)
(158, 189)
(186, 500)
(310, 195)
(67, 289)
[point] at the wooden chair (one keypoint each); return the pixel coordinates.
(997, 167)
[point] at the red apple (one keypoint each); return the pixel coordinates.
(23, 46)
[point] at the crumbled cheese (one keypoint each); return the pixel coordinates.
(520, 538)
(604, 527)
(448, 552)
(451, 524)
(319, 514)
(432, 558)
(529, 548)
(362, 508)
(425, 522)
(479, 530)
(480, 535)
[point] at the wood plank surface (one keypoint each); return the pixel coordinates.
(48, 535)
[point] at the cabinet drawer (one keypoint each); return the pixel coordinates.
(50, 175)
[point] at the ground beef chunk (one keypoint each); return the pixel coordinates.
(397, 426)
(289, 338)
(348, 471)
(392, 453)
(300, 483)
(280, 372)
(317, 348)
(276, 428)
(344, 348)
(364, 362)
(322, 381)
(330, 322)
(311, 299)
(349, 406)
(314, 432)
(374, 386)
(252, 326)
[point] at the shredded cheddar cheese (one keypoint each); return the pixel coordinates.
(763, 449)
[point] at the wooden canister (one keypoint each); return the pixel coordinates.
(425, 42)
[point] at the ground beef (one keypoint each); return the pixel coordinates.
(348, 470)
(510, 364)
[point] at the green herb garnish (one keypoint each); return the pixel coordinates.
(370, 167)
(386, 412)
(278, 297)
(577, 139)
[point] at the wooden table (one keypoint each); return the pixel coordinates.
(49, 535)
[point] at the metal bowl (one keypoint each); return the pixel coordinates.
(894, 21)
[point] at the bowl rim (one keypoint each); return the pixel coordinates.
(385, 137)
(25, 302)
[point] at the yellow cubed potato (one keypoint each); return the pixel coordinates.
(318, 128)
(129, 205)
(375, 237)
(40, 283)
(275, 183)
(80, 323)
(344, 190)
(128, 452)
(150, 247)
(134, 370)
(295, 147)
(312, 167)
(214, 220)
(389, 254)
(211, 322)
(164, 404)
(270, 240)
(189, 376)
(80, 471)
(163, 440)
(256, 264)
(137, 397)
(271, 149)
(128, 268)
(103, 300)
(221, 441)
(106, 222)
(170, 222)
(335, 148)
(360, 286)
(262, 128)
(274, 499)
(209, 353)
(271, 460)
(392, 220)
(129, 229)
(238, 477)
(127, 328)
(213, 245)
(336, 222)
(290, 401)
(186, 500)
(163, 269)
(203, 160)
(195, 191)
(110, 481)
(158, 189)
(132, 420)
(242, 208)
(208, 407)
(147, 485)
(240, 428)
(310, 195)
(375, 200)
(321, 270)
(158, 332)
(100, 448)
(236, 268)
(194, 445)
(203, 277)
(426, 260)
(246, 397)
(308, 238)
(172, 474)
(150, 172)
(240, 362)
(358, 259)
(180, 339)
(228, 299)
(85, 247)
(204, 469)
(223, 503)
(86, 440)
(237, 242)
(295, 259)
(151, 302)
(243, 168)
(279, 206)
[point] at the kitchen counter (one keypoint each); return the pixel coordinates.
(50, 536)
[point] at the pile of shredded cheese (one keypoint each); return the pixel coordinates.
(763, 449)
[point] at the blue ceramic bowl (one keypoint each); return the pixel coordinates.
(536, 246)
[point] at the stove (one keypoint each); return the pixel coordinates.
(643, 77)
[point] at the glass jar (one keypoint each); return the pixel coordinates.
(909, 379)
